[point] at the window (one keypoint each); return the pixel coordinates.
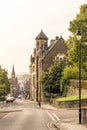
(33, 68)
(37, 45)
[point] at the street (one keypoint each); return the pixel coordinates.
(26, 115)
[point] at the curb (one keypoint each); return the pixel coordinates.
(64, 126)
(60, 126)
(7, 111)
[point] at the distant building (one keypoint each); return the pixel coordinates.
(23, 83)
(42, 58)
(13, 83)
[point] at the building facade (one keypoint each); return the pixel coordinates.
(13, 83)
(42, 58)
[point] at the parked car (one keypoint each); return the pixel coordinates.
(20, 96)
(10, 99)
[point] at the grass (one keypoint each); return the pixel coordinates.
(71, 98)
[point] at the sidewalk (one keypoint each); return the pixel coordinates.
(5, 109)
(70, 125)
(47, 106)
(61, 125)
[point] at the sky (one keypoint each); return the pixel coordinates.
(22, 20)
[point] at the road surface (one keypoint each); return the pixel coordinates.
(26, 115)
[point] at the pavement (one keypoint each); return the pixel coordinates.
(5, 109)
(68, 125)
(61, 125)
(47, 106)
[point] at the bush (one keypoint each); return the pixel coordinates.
(2, 98)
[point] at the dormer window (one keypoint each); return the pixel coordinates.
(59, 58)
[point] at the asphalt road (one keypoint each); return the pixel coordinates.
(27, 115)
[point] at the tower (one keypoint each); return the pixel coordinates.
(41, 41)
(13, 73)
(41, 47)
(42, 58)
(14, 83)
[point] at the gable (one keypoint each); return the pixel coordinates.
(59, 47)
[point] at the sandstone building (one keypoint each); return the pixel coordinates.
(13, 83)
(42, 58)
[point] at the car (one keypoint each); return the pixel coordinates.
(10, 99)
(20, 96)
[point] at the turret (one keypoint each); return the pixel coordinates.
(41, 41)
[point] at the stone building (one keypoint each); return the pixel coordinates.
(42, 58)
(13, 83)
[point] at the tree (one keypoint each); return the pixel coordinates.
(45, 81)
(80, 21)
(68, 73)
(73, 44)
(51, 79)
(4, 82)
(71, 72)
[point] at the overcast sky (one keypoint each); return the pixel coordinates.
(22, 20)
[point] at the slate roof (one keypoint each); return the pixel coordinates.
(59, 47)
(41, 36)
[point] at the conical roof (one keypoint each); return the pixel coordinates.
(13, 71)
(41, 36)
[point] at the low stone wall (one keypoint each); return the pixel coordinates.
(84, 115)
(68, 104)
(75, 91)
(73, 104)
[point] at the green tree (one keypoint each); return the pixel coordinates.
(69, 72)
(51, 79)
(80, 21)
(45, 81)
(73, 44)
(4, 82)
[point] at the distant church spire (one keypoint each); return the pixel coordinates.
(13, 72)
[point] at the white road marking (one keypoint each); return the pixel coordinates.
(55, 116)
(50, 116)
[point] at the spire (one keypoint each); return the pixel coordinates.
(41, 36)
(13, 72)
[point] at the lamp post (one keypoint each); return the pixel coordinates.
(79, 59)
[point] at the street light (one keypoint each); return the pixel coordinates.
(79, 59)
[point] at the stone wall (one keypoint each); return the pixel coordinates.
(74, 87)
(84, 115)
(75, 91)
(73, 104)
(68, 104)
